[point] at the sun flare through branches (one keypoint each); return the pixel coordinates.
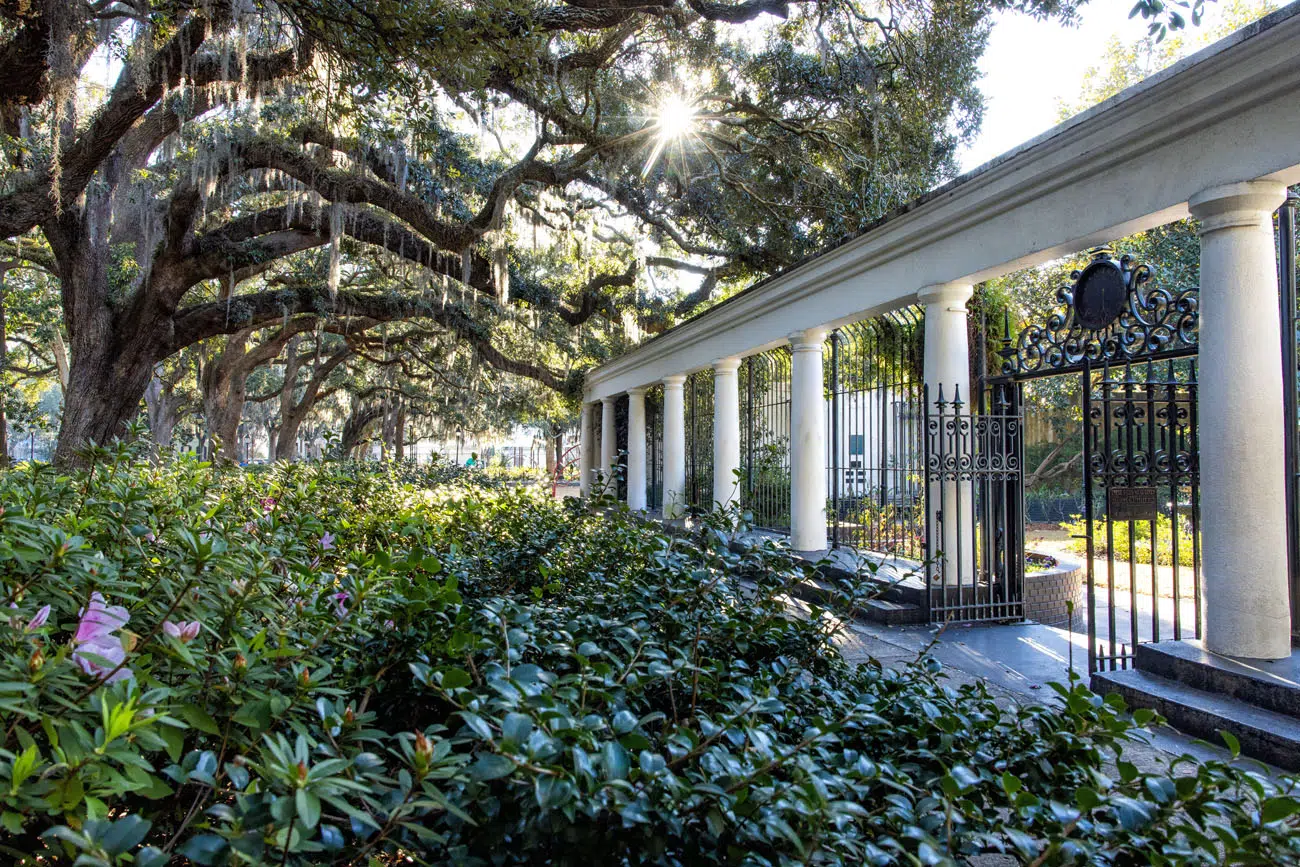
(674, 119)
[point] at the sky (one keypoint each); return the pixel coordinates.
(1031, 65)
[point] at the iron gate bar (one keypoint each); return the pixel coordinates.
(1290, 321)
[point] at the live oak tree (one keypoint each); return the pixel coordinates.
(580, 172)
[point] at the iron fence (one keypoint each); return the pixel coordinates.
(699, 440)
(765, 438)
(874, 434)
(654, 448)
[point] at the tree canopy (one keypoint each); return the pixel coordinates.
(540, 183)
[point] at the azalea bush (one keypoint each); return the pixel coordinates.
(346, 664)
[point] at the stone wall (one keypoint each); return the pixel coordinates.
(1047, 592)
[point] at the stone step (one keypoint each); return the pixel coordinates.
(1264, 735)
(888, 613)
(1266, 684)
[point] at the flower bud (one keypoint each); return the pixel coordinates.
(304, 679)
(241, 664)
(37, 661)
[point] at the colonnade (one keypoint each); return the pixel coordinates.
(1240, 416)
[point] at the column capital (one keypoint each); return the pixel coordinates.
(639, 391)
(954, 294)
(727, 365)
(808, 340)
(1245, 203)
(675, 380)
(609, 401)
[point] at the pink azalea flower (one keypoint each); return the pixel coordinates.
(95, 636)
(388, 624)
(36, 622)
(327, 541)
(186, 632)
(38, 619)
(268, 503)
(341, 610)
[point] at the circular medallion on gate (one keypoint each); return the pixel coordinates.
(1100, 294)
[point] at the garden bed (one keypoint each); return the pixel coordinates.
(344, 664)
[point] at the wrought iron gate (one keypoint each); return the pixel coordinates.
(1141, 479)
(1132, 345)
(974, 538)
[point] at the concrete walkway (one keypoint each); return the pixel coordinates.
(1015, 661)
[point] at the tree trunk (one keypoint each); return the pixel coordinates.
(161, 408)
(104, 391)
(224, 384)
(113, 352)
(355, 426)
(399, 433)
(286, 439)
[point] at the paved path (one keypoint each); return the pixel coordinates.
(1015, 661)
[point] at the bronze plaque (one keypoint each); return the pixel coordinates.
(1131, 504)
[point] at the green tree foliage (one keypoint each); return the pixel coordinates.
(580, 173)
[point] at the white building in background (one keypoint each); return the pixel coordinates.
(523, 446)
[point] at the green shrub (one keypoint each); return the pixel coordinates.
(333, 663)
(1077, 526)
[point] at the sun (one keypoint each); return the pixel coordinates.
(674, 119)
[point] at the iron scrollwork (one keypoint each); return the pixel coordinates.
(1109, 314)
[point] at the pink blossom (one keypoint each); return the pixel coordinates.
(388, 624)
(95, 636)
(186, 632)
(327, 541)
(36, 622)
(340, 609)
(38, 619)
(268, 503)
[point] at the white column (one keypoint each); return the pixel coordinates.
(726, 431)
(1243, 499)
(674, 446)
(585, 450)
(947, 368)
(636, 474)
(807, 442)
(608, 441)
